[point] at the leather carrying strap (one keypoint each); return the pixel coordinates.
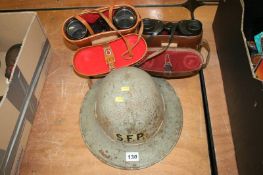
(139, 37)
(109, 22)
(110, 13)
(115, 29)
(158, 52)
(129, 47)
(85, 24)
(101, 9)
(204, 44)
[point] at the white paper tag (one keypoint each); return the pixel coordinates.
(132, 156)
(119, 99)
(125, 88)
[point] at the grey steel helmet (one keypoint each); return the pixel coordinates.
(130, 120)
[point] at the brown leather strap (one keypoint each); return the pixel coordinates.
(109, 22)
(101, 9)
(158, 52)
(139, 32)
(84, 22)
(115, 29)
(110, 13)
(140, 35)
(109, 56)
(204, 44)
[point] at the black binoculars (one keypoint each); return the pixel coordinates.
(183, 27)
(123, 18)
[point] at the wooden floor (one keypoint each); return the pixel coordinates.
(55, 145)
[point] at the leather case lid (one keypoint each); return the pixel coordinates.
(90, 61)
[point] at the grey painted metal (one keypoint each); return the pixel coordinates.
(129, 111)
(129, 103)
(17, 89)
(2, 154)
(31, 110)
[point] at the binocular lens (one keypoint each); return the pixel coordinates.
(195, 26)
(190, 27)
(75, 29)
(152, 26)
(124, 18)
(148, 24)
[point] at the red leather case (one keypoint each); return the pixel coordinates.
(101, 59)
(175, 62)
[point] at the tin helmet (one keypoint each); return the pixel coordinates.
(130, 120)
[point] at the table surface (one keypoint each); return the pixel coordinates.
(55, 145)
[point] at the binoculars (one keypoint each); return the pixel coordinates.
(183, 27)
(123, 18)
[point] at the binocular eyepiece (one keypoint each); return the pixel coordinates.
(124, 18)
(74, 29)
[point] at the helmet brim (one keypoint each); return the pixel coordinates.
(150, 152)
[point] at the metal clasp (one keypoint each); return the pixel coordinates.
(109, 57)
(167, 64)
(107, 51)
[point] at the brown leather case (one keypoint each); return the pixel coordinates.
(102, 37)
(176, 62)
(177, 41)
